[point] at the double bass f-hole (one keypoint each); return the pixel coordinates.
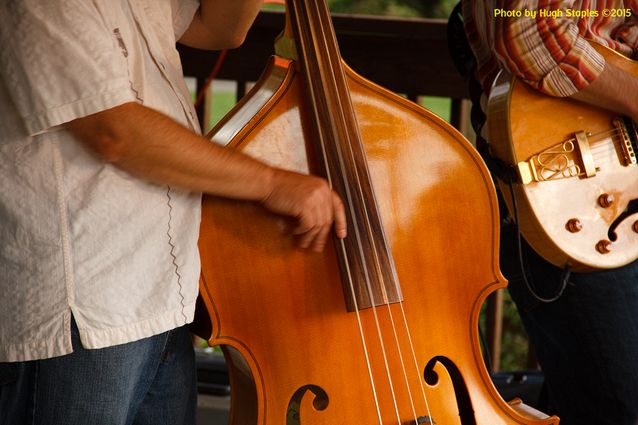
(380, 328)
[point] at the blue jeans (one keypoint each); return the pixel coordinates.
(151, 381)
(586, 341)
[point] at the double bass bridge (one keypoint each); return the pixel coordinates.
(421, 420)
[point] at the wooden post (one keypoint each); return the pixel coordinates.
(494, 324)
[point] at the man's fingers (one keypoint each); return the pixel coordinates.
(321, 239)
(340, 222)
(312, 202)
(306, 239)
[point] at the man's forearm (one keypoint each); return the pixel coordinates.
(151, 146)
(221, 24)
(155, 148)
(614, 89)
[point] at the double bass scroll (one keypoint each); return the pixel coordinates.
(382, 327)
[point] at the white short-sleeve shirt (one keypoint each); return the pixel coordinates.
(79, 236)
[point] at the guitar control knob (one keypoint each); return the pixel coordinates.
(574, 225)
(603, 246)
(605, 200)
(635, 226)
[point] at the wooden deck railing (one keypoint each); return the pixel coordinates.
(408, 56)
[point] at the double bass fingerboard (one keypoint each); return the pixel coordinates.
(366, 264)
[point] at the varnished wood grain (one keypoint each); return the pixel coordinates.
(424, 200)
(267, 297)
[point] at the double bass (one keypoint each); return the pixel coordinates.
(382, 326)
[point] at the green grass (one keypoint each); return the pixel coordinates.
(223, 101)
(220, 104)
(439, 105)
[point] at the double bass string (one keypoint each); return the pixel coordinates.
(363, 339)
(319, 30)
(348, 201)
(338, 77)
(416, 364)
(337, 81)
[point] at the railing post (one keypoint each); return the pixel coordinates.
(494, 324)
(201, 82)
(460, 114)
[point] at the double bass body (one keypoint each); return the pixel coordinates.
(297, 353)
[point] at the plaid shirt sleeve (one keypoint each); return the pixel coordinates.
(548, 53)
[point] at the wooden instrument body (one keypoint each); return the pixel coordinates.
(295, 354)
(523, 122)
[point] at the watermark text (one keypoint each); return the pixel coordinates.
(562, 13)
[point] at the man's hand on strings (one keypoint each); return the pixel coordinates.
(310, 200)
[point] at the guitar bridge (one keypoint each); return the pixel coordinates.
(558, 161)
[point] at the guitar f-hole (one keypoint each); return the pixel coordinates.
(632, 208)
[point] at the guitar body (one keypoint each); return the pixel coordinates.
(574, 208)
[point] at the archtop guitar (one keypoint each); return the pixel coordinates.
(577, 194)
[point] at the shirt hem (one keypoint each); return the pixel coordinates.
(58, 345)
(97, 338)
(101, 338)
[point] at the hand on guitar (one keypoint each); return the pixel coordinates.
(310, 200)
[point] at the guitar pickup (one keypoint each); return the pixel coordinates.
(626, 130)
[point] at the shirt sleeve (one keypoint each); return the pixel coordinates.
(183, 13)
(548, 53)
(60, 61)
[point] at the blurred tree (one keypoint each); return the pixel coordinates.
(405, 8)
